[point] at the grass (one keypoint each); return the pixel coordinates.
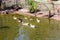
(42, 30)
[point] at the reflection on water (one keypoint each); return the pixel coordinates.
(44, 30)
(54, 33)
(22, 34)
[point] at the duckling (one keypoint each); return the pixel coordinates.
(38, 20)
(32, 26)
(26, 24)
(19, 19)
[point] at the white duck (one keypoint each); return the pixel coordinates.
(19, 21)
(25, 24)
(38, 20)
(25, 18)
(15, 18)
(32, 26)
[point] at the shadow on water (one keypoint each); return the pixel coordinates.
(4, 27)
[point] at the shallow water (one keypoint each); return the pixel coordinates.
(13, 30)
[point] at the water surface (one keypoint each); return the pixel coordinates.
(44, 30)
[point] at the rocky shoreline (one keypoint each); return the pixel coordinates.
(42, 15)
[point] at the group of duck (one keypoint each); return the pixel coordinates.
(26, 24)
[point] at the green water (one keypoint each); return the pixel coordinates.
(44, 30)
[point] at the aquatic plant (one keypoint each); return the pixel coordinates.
(33, 6)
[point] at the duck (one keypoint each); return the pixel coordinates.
(32, 26)
(38, 20)
(25, 18)
(25, 24)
